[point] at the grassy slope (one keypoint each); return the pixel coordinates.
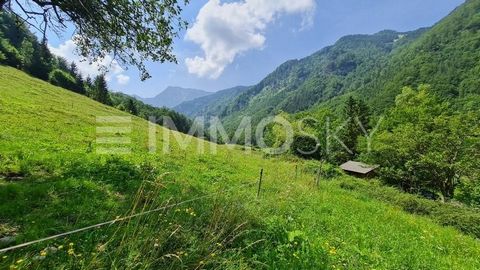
(54, 181)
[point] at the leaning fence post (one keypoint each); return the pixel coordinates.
(296, 171)
(318, 177)
(260, 183)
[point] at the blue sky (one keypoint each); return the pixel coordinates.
(249, 40)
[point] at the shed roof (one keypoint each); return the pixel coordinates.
(358, 167)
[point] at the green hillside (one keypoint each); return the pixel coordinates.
(374, 68)
(54, 180)
(297, 85)
(446, 57)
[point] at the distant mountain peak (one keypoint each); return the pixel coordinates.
(173, 96)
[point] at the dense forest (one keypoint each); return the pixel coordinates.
(21, 49)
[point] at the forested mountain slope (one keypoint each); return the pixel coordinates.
(299, 84)
(375, 68)
(210, 105)
(447, 57)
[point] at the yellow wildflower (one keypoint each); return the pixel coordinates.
(60, 247)
(19, 261)
(43, 253)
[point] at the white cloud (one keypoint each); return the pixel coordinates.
(67, 50)
(224, 30)
(122, 79)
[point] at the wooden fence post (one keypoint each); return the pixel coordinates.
(260, 183)
(296, 171)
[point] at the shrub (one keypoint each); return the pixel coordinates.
(62, 79)
(305, 147)
(11, 56)
(469, 192)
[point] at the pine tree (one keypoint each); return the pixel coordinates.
(89, 86)
(100, 90)
(42, 61)
(131, 107)
(357, 115)
(351, 130)
(73, 70)
(80, 84)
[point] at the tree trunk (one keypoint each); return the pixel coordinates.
(448, 189)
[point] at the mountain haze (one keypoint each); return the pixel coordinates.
(173, 96)
(210, 105)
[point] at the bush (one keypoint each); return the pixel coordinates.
(468, 192)
(11, 56)
(327, 170)
(305, 147)
(62, 79)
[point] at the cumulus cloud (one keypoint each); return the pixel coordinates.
(224, 30)
(67, 50)
(122, 79)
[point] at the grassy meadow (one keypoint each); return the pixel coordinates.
(52, 180)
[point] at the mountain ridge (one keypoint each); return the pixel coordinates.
(209, 105)
(173, 96)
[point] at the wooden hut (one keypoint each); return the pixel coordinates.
(359, 169)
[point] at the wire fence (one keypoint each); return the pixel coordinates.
(113, 221)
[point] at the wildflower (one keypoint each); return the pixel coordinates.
(333, 251)
(43, 253)
(213, 254)
(101, 248)
(19, 261)
(71, 252)
(13, 267)
(60, 247)
(219, 245)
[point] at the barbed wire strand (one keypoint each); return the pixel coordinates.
(111, 222)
